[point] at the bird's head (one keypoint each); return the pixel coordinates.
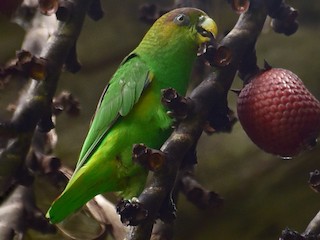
(182, 26)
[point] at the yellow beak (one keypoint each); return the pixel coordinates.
(207, 29)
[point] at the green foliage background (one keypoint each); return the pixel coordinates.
(263, 194)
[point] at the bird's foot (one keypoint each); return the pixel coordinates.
(178, 106)
(131, 212)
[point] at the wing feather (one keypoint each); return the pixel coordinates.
(117, 100)
(128, 98)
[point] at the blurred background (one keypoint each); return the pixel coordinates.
(263, 194)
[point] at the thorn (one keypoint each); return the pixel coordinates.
(236, 91)
(267, 66)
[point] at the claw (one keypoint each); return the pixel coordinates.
(178, 106)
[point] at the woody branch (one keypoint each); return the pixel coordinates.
(206, 100)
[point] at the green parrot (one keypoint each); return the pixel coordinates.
(130, 110)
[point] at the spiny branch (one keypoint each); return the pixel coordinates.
(212, 91)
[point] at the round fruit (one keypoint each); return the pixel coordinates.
(278, 112)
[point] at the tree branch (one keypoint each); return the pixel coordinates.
(37, 99)
(18, 210)
(18, 213)
(210, 92)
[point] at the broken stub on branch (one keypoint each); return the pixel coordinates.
(151, 159)
(48, 7)
(240, 6)
(131, 212)
(198, 195)
(284, 18)
(218, 56)
(314, 180)
(27, 65)
(66, 102)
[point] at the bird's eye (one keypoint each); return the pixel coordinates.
(181, 20)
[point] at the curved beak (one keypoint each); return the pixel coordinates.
(207, 29)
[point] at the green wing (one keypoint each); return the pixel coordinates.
(118, 98)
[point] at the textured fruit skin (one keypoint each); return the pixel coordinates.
(278, 112)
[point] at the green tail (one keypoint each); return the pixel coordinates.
(81, 188)
(71, 200)
(84, 186)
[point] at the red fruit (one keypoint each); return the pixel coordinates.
(278, 112)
